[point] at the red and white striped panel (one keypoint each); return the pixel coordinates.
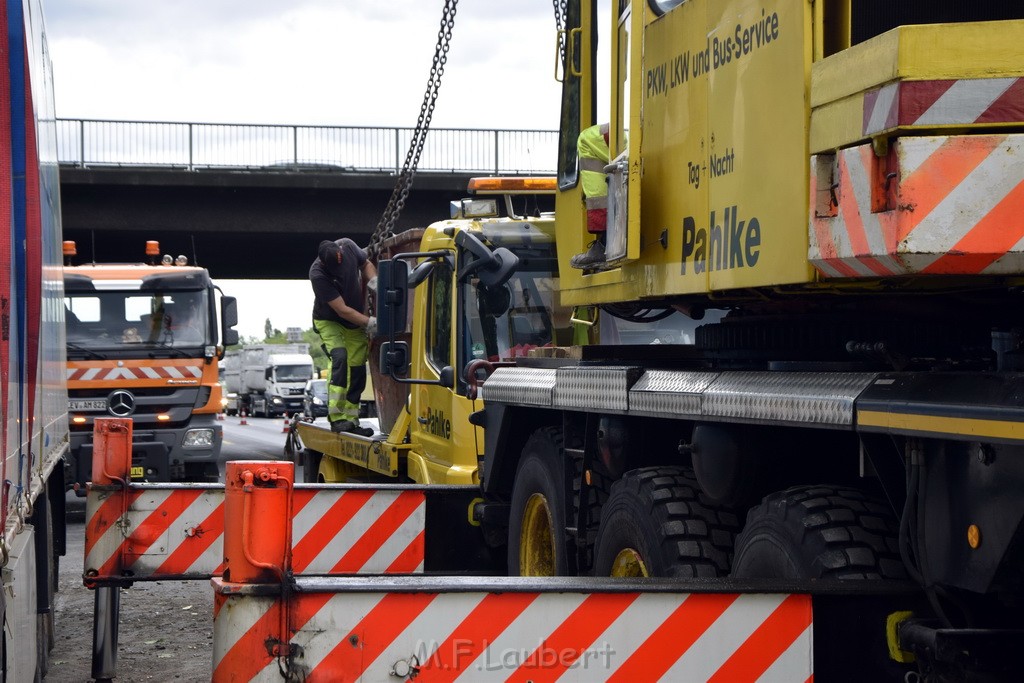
(178, 533)
(520, 637)
(957, 205)
(944, 103)
(94, 371)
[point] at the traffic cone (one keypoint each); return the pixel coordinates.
(287, 424)
(242, 421)
(220, 416)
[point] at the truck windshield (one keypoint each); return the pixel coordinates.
(293, 373)
(133, 321)
(505, 322)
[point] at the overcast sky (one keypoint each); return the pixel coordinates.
(312, 62)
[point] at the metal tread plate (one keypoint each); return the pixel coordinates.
(786, 397)
(594, 388)
(520, 386)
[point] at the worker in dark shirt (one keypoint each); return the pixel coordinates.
(337, 277)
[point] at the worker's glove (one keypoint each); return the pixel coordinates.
(372, 285)
(371, 327)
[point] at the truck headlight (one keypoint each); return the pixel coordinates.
(277, 400)
(198, 438)
(317, 401)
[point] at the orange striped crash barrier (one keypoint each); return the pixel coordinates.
(932, 205)
(502, 632)
(176, 531)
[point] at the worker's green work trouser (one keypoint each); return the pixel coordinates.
(346, 350)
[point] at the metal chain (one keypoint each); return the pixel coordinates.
(385, 228)
(560, 12)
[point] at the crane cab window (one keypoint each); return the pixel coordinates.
(439, 316)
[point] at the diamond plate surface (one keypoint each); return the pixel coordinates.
(520, 386)
(791, 397)
(670, 393)
(594, 388)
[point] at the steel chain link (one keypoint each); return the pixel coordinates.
(560, 12)
(385, 228)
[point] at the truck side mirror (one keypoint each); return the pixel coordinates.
(492, 268)
(447, 377)
(392, 293)
(394, 357)
(229, 318)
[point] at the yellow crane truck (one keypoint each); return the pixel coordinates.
(832, 194)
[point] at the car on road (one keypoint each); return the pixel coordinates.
(314, 398)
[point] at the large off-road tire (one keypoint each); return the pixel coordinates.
(537, 541)
(657, 523)
(814, 532)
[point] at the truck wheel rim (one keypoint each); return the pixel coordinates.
(629, 564)
(537, 540)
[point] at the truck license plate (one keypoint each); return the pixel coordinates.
(87, 404)
(138, 472)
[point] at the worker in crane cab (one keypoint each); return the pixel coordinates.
(337, 276)
(592, 150)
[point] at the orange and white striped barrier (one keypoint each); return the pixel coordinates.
(176, 531)
(287, 424)
(241, 419)
(505, 633)
(934, 205)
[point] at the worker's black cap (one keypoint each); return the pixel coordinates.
(330, 253)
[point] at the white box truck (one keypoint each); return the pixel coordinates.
(268, 379)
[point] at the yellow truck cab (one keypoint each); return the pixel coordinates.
(475, 289)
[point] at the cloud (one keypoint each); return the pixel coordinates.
(314, 62)
(309, 62)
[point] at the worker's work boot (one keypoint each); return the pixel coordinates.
(594, 256)
(350, 427)
(339, 426)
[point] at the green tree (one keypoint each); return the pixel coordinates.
(268, 330)
(315, 349)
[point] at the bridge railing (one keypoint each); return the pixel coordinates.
(197, 146)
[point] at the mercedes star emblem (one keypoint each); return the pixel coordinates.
(121, 403)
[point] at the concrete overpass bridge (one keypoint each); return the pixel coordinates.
(253, 201)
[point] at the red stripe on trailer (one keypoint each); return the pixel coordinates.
(946, 168)
(151, 529)
(411, 558)
(387, 524)
(362, 530)
(1009, 106)
(106, 516)
(989, 239)
(917, 97)
(852, 215)
(577, 633)
(248, 656)
(823, 236)
(385, 622)
(335, 518)
(768, 642)
(203, 537)
(33, 253)
(675, 636)
(471, 637)
(5, 246)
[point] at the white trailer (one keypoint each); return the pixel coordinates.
(268, 379)
(32, 376)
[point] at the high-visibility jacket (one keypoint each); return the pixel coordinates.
(592, 148)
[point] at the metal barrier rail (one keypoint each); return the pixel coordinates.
(196, 146)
